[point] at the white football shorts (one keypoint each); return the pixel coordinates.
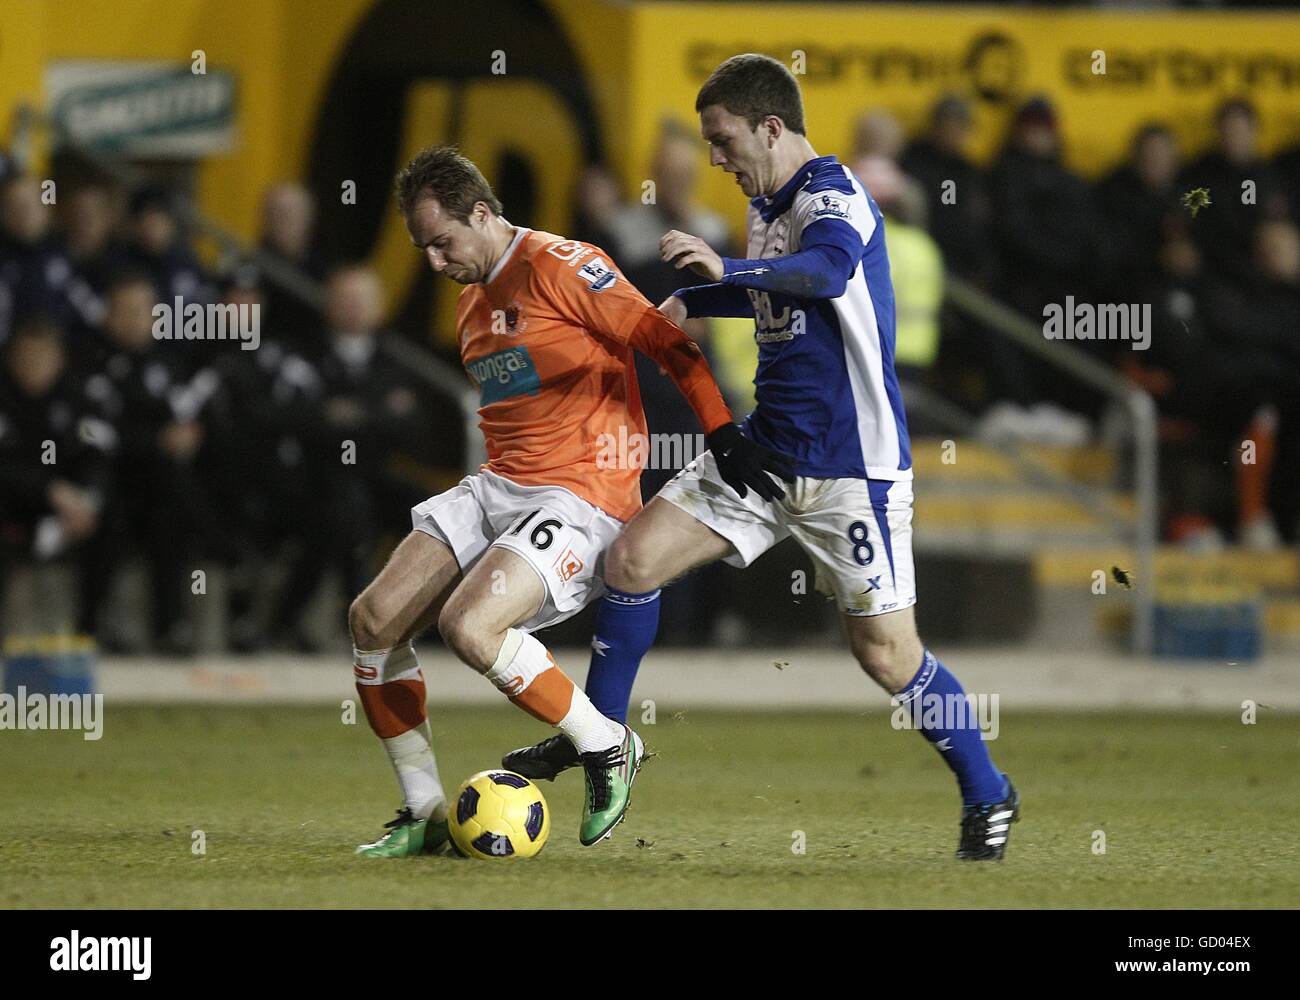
(560, 535)
(858, 532)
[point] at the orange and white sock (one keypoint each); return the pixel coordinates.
(529, 676)
(392, 694)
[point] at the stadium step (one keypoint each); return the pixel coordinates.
(973, 504)
(973, 498)
(969, 517)
(1063, 579)
(965, 459)
(1267, 571)
(1026, 508)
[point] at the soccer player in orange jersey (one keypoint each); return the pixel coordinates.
(546, 328)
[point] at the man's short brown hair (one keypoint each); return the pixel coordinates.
(441, 172)
(754, 86)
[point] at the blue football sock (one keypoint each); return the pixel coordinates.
(625, 630)
(937, 706)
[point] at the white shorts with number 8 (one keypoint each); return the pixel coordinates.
(858, 532)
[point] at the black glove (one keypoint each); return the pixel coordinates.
(742, 463)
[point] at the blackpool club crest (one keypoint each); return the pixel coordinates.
(510, 321)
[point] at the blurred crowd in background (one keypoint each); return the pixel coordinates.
(183, 453)
(299, 455)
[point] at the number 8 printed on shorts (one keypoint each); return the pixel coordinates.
(858, 536)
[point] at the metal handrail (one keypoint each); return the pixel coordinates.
(1004, 321)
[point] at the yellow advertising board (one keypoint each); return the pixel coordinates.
(1108, 72)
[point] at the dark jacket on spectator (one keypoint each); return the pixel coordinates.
(1223, 228)
(963, 228)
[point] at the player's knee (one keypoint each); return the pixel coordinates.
(891, 661)
(629, 565)
(464, 636)
(365, 622)
(371, 626)
(452, 627)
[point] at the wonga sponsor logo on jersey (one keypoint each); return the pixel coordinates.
(504, 374)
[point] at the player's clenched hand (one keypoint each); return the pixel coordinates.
(685, 250)
(742, 463)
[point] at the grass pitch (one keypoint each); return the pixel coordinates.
(1197, 811)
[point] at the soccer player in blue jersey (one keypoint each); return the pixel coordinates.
(817, 285)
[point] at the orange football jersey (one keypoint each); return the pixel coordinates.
(547, 339)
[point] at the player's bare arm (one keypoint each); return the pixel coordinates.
(675, 309)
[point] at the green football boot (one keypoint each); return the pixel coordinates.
(407, 837)
(610, 774)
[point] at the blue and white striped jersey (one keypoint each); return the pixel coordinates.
(817, 284)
